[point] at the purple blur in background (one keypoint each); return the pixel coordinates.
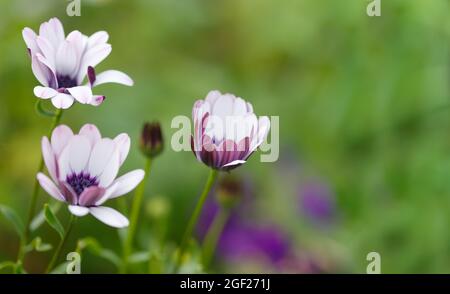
(317, 202)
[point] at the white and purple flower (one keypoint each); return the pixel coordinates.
(61, 64)
(83, 169)
(226, 131)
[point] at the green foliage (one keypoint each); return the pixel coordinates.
(39, 219)
(94, 247)
(38, 245)
(363, 106)
(53, 221)
(15, 220)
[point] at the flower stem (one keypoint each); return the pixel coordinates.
(36, 188)
(61, 244)
(195, 215)
(213, 235)
(135, 209)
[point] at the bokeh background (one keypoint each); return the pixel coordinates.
(364, 129)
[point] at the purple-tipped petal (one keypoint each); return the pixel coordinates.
(91, 75)
(68, 192)
(90, 196)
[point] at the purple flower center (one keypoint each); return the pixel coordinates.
(81, 181)
(66, 82)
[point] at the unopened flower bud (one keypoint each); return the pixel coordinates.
(229, 192)
(152, 142)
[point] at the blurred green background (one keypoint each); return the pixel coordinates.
(363, 104)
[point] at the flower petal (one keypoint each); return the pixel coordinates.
(90, 196)
(262, 131)
(44, 92)
(113, 76)
(75, 156)
(79, 41)
(78, 210)
(52, 31)
(110, 171)
(79, 150)
(109, 216)
(123, 145)
(82, 94)
(49, 158)
(29, 36)
(236, 162)
(62, 101)
(91, 132)
(104, 161)
(69, 194)
(223, 106)
(49, 187)
(66, 59)
(92, 57)
(127, 182)
(42, 72)
(97, 100)
(47, 50)
(107, 194)
(60, 137)
(212, 97)
(97, 38)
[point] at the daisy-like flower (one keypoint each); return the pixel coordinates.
(61, 64)
(226, 131)
(83, 168)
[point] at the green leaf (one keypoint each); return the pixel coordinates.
(94, 247)
(38, 245)
(12, 216)
(53, 221)
(39, 219)
(139, 257)
(7, 264)
(18, 269)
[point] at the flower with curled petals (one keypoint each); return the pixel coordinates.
(226, 131)
(61, 64)
(83, 169)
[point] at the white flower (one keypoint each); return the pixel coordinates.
(83, 168)
(226, 131)
(61, 64)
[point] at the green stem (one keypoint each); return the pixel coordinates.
(135, 209)
(213, 235)
(193, 220)
(61, 244)
(36, 188)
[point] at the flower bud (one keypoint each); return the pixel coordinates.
(152, 142)
(229, 192)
